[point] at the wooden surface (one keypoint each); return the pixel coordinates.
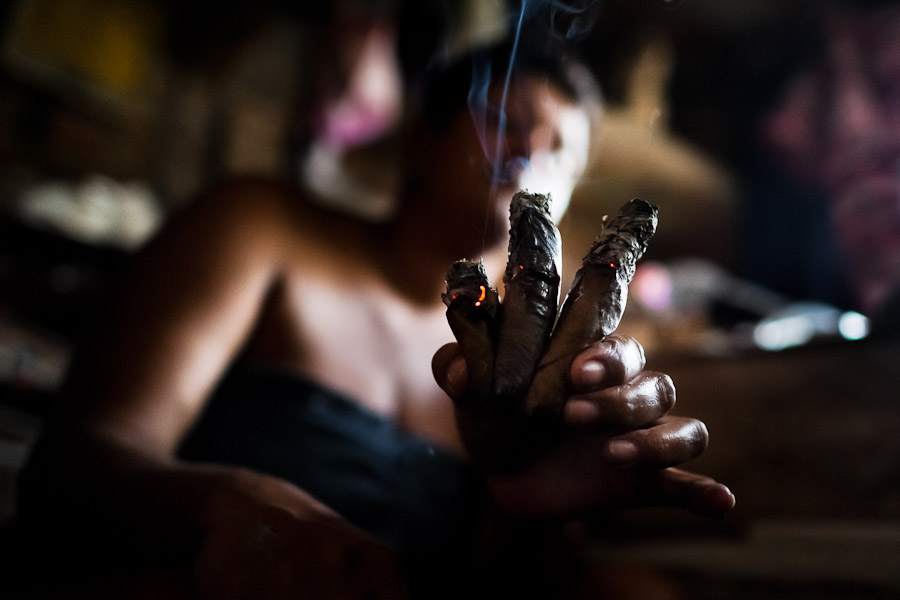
(809, 441)
(807, 433)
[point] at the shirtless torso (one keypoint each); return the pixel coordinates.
(257, 272)
(328, 293)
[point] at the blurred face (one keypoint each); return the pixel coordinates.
(839, 125)
(539, 142)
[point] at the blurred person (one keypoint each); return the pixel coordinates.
(345, 143)
(346, 147)
(260, 419)
(837, 126)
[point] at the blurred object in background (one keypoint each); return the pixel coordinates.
(104, 49)
(18, 432)
(54, 284)
(31, 359)
(798, 102)
(695, 307)
(803, 323)
(98, 210)
(838, 126)
(80, 85)
(350, 160)
(347, 143)
(635, 153)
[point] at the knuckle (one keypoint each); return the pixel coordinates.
(628, 349)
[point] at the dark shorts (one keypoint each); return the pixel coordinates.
(410, 494)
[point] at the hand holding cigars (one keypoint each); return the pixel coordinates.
(558, 410)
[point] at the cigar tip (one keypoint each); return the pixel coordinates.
(467, 278)
(641, 206)
(466, 269)
(523, 199)
(627, 234)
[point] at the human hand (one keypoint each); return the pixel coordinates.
(615, 447)
(517, 352)
(547, 404)
(265, 539)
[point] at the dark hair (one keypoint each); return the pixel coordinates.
(444, 89)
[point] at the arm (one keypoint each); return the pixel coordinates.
(109, 462)
(132, 396)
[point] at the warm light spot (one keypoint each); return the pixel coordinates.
(483, 294)
(522, 267)
(613, 265)
(652, 286)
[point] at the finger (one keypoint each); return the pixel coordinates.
(531, 294)
(670, 442)
(614, 360)
(449, 369)
(646, 398)
(700, 494)
(472, 307)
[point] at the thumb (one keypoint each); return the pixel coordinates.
(449, 369)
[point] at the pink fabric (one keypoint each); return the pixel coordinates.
(839, 125)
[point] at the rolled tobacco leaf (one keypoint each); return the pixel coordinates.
(531, 295)
(595, 303)
(472, 307)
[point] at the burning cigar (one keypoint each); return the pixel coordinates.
(595, 303)
(472, 307)
(516, 366)
(531, 294)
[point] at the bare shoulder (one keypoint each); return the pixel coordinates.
(246, 211)
(267, 216)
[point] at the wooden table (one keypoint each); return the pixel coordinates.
(809, 441)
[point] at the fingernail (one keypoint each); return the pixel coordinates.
(729, 501)
(621, 452)
(717, 501)
(592, 374)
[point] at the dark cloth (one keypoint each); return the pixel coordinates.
(402, 489)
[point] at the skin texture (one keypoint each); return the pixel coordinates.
(256, 271)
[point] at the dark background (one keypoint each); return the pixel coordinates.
(172, 95)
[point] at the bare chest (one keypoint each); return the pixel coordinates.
(360, 342)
